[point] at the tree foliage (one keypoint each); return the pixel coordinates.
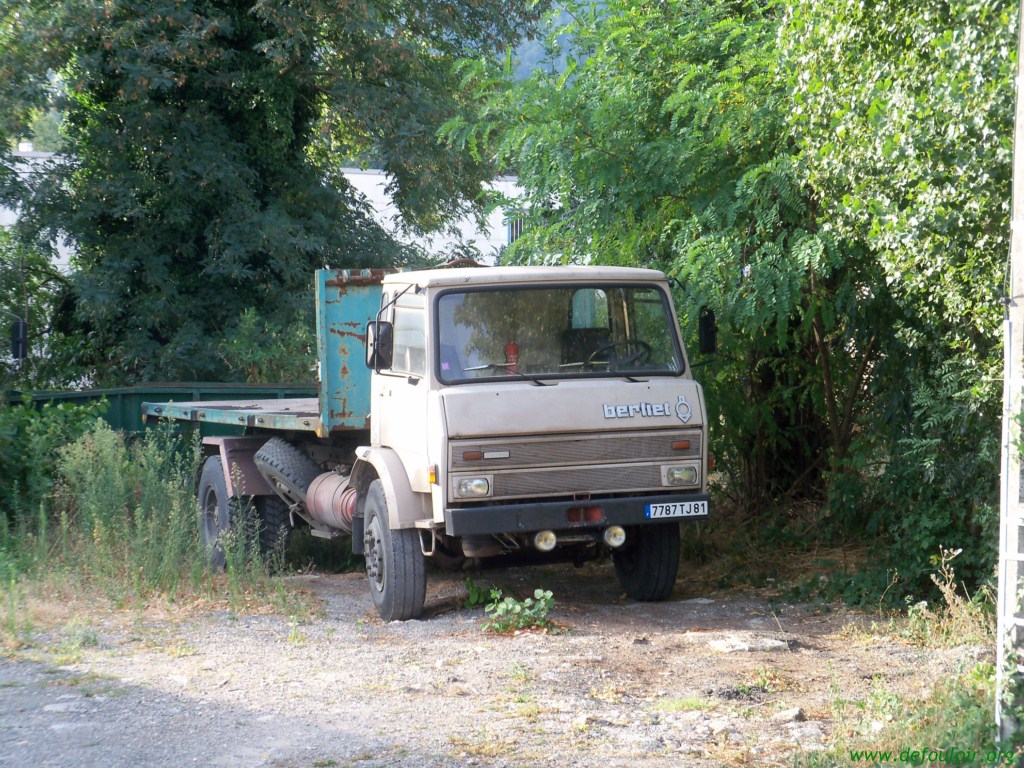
(204, 140)
(30, 290)
(665, 142)
(904, 114)
(831, 178)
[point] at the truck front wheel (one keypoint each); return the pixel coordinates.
(394, 562)
(647, 566)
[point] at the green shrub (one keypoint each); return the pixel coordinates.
(507, 614)
(30, 438)
(956, 716)
(121, 520)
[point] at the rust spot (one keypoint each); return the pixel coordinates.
(348, 334)
(364, 277)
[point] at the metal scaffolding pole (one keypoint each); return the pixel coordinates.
(1010, 630)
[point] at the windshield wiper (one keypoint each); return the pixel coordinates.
(507, 366)
(606, 369)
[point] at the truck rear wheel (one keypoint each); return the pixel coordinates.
(218, 514)
(395, 566)
(647, 567)
(275, 526)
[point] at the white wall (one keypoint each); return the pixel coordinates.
(28, 162)
(488, 241)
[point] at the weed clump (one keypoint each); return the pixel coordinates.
(506, 615)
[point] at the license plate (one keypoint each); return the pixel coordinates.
(676, 509)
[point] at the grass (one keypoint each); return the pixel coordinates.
(957, 715)
(118, 530)
(675, 704)
(960, 618)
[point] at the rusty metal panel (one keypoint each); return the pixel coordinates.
(346, 300)
(240, 472)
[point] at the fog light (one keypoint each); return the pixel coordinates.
(469, 487)
(545, 541)
(614, 536)
(681, 475)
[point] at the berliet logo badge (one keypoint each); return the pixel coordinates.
(682, 410)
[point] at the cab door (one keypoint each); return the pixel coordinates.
(400, 392)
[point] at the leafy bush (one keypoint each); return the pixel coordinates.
(126, 512)
(121, 519)
(30, 439)
(506, 614)
(262, 350)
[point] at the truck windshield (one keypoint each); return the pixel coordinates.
(567, 331)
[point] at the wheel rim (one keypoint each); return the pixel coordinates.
(374, 553)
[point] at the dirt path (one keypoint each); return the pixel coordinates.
(693, 681)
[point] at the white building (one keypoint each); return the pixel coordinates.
(497, 232)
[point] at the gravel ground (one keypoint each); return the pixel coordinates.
(700, 680)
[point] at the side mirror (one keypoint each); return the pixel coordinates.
(19, 340)
(380, 344)
(707, 332)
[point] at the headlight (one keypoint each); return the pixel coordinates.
(472, 487)
(686, 475)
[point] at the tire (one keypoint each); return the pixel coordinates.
(219, 514)
(647, 567)
(395, 566)
(275, 526)
(288, 470)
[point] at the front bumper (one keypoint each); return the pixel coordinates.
(554, 515)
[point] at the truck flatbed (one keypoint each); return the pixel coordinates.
(296, 414)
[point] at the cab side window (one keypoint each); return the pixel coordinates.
(410, 337)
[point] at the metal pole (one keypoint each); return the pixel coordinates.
(1010, 629)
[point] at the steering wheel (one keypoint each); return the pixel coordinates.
(639, 349)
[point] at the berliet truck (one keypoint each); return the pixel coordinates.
(474, 416)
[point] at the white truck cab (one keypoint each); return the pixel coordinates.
(536, 413)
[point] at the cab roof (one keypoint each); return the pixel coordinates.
(429, 278)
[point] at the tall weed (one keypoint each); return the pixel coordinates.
(126, 515)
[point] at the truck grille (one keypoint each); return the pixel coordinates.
(565, 465)
(556, 482)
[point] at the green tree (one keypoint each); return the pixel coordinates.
(665, 143)
(204, 140)
(904, 113)
(832, 178)
(30, 290)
